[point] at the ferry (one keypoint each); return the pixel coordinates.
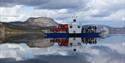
(73, 34)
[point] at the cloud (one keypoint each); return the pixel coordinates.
(63, 10)
(21, 13)
(45, 4)
(102, 8)
(118, 15)
(11, 13)
(9, 3)
(62, 4)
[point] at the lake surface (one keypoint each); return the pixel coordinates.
(37, 39)
(110, 49)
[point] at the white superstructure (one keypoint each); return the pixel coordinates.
(74, 27)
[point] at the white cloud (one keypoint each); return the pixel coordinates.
(10, 14)
(94, 10)
(63, 11)
(119, 15)
(104, 10)
(19, 13)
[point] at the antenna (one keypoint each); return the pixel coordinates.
(74, 18)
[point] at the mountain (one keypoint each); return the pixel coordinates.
(41, 21)
(36, 22)
(30, 26)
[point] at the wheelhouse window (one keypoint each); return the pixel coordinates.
(70, 26)
(71, 44)
(78, 26)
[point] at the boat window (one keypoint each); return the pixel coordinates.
(78, 26)
(70, 26)
(71, 44)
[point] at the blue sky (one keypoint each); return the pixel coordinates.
(92, 11)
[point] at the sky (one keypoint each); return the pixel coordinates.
(62, 11)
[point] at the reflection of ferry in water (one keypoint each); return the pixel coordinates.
(71, 34)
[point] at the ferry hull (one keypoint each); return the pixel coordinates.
(67, 35)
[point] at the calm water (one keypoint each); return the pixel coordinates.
(118, 38)
(107, 50)
(32, 39)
